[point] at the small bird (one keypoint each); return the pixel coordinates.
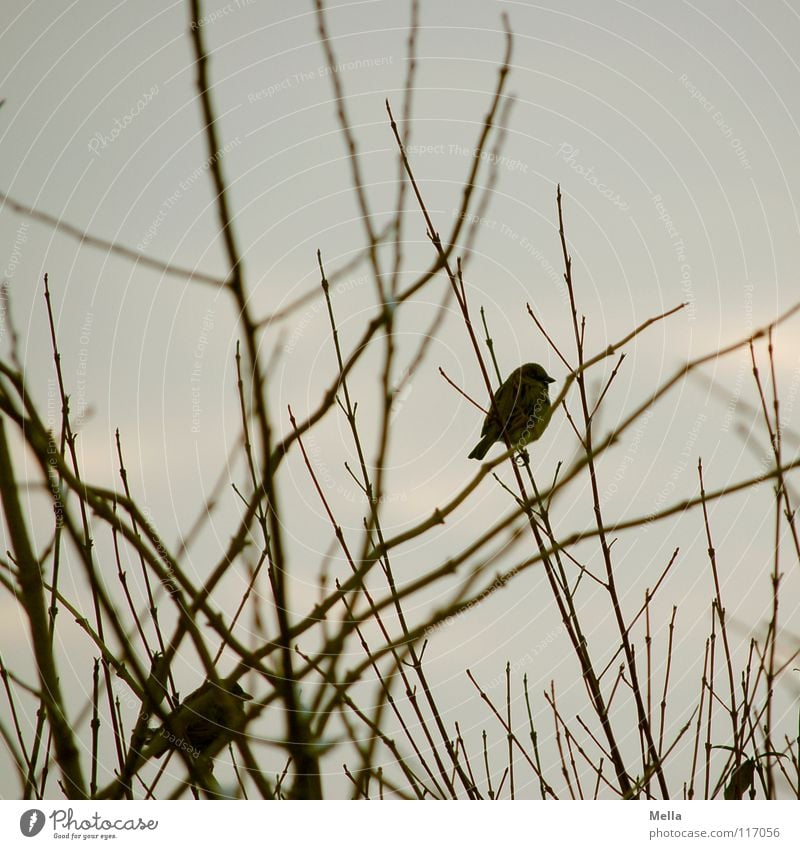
(203, 718)
(519, 411)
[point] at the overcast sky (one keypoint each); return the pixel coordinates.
(673, 131)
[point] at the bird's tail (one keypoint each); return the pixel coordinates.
(479, 451)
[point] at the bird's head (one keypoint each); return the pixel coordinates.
(236, 690)
(533, 371)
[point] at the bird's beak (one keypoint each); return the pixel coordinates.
(245, 697)
(550, 379)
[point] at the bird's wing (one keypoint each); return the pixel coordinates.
(202, 731)
(504, 400)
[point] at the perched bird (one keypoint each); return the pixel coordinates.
(519, 410)
(207, 715)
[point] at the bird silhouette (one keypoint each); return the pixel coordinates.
(208, 715)
(519, 411)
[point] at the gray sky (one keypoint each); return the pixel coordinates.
(673, 130)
